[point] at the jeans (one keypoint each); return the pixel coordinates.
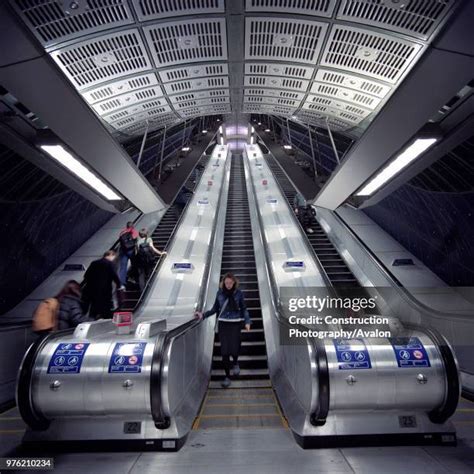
(124, 258)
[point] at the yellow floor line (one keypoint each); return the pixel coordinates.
(240, 397)
(198, 419)
(11, 431)
(465, 410)
(242, 405)
(243, 415)
(283, 419)
(6, 418)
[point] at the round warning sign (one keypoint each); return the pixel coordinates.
(418, 354)
(79, 346)
(132, 360)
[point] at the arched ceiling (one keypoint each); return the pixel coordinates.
(165, 61)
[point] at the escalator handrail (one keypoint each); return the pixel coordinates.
(170, 242)
(160, 413)
(308, 246)
(24, 399)
(453, 387)
(319, 410)
(393, 279)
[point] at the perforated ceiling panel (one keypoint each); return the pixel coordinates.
(217, 109)
(102, 59)
(119, 87)
(132, 103)
(198, 70)
(155, 9)
(350, 81)
(197, 84)
(54, 21)
(283, 39)
(365, 52)
(302, 7)
(282, 70)
(155, 123)
(175, 99)
(322, 104)
(319, 119)
(275, 93)
(271, 100)
(276, 82)
(119, 120)
(359, 98)
(187, 41)
(269, 109)
(418, 18)
(199, 102)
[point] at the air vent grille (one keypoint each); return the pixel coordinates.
(271, 100)
(276, 82)
(268, 109)
(154, 9)
(140, 117)
(352, 82)
(53, 21)
(119, 87)
(196, 84)
(305, 7)
(281, 70)
(103, 59)
(369, 53)
(154, 124)
(187, 41)
(319, 120)
(349, 95)
(413, 17)
(126, 100)
(199, 70)
(284, 40)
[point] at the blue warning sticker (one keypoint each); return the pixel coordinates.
(127, 357)
(67, 358)
(410, 352)
(352, 354)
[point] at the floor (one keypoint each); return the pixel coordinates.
(262, 450)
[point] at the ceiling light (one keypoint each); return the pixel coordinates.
(419, 146)
(185, 148)
(267, 130)
(287, 147)
(204, 131)
(259, 123)
(72, 164)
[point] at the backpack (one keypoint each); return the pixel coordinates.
(127, 242)
(145, 254)
(45, 316)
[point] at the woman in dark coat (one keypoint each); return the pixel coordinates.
(231, 312)
(70, 306)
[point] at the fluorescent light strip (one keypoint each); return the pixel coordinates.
(72, 164)
(403, 160)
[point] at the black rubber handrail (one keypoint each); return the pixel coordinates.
(161, 420)
(440, 414)
(30, 416)
(319, 416)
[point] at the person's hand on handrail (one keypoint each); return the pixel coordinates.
(198, 315)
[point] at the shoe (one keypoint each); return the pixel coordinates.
(236, 370)
(309, 230)
(226, 382)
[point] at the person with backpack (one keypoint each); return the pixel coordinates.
(99, 279)
(71, 312)
(128, 240)
(61, 312)
(232, 312)
(145, 257)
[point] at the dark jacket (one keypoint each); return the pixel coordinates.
(99, 278)
(229, 315)
(70, 312)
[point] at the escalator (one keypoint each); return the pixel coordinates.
(250, 401)
(162, 236)
(334, 266)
